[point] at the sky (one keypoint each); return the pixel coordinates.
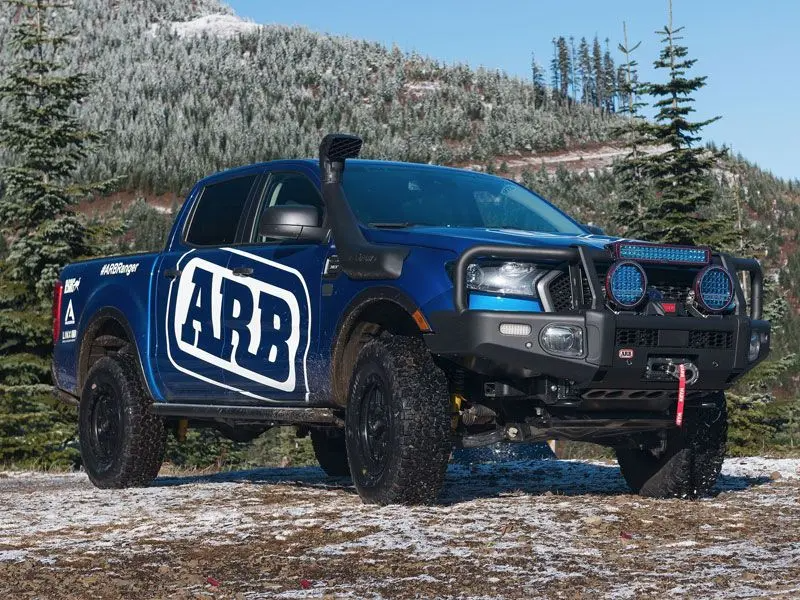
(747, 49)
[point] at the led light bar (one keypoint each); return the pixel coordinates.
(713, 287)
(626, 284)
(654, 253)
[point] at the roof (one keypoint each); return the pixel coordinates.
(312, 164)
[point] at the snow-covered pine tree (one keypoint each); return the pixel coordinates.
(43, 142)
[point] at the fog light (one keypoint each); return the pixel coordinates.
(566, 340)
(520, 329)
(755, 346)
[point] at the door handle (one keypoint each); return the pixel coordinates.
(172, 273)
(242, 271)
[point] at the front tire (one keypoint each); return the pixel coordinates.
(398, 423)
(122, 442)
(690, 463)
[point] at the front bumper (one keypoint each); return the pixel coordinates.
(717, 346)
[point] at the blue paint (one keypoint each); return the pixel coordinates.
(146, 300)
(479, 301)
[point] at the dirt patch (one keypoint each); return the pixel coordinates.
(554, 529)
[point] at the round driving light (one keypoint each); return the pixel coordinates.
(626, 283)
(713, 288)
(564, 340)
(755, 346)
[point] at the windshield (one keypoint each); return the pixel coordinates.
(399, 195)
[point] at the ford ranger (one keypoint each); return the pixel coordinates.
(393, 311)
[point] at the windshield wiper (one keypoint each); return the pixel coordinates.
(391, 225)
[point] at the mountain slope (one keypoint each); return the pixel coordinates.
(177, 105)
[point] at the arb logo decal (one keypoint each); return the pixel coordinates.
(626, 353)
(256, 328)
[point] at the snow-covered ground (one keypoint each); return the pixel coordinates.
(539, 528)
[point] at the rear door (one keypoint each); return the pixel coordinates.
(191, 337)
(278, 289)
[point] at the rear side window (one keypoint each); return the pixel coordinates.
(216, 217)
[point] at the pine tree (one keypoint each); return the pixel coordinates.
(682, 175)
(572, 60)
(635, 189)
(43, 143)
(537, 79)
(585, 72)
(564, 68)
(597, 74)
(609, 80)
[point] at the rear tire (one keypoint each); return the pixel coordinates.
(331, 452)
(691, 462)
(122, 442)
(398, 423)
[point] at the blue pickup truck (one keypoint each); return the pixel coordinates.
(395, 311)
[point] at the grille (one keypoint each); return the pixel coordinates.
(671, 293)
(712, 340)
(637, 337)
(561, 293)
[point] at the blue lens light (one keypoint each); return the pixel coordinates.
(714, 289)
(663, 254)
(626, 284)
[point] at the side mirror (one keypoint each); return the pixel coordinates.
(595, 229)
(292, 223)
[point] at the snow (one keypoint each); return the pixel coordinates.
(529, 528)
(591, 159)
(417, 89)
(214, 25)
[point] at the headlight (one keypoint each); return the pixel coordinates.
(755, 346)
(513, 278)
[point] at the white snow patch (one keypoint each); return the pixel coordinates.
(8, 555)
(756, 466)
(215, 25)
(418, 89)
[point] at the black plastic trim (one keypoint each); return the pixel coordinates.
(359, 258)
(258, 414)
(88, 337)
(473, 338)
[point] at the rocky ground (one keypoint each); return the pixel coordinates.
(525, 529)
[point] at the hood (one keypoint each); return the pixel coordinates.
(458, 239)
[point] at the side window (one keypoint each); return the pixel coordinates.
(216, 217)
(288, 189)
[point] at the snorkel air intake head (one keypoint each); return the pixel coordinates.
(359, 258)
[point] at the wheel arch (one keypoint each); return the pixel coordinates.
(107, 332)
(370, 313)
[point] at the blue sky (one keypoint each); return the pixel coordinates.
(747, 49)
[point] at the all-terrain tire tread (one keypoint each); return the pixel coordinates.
(692, 462)
(143, 443)
(420, 387)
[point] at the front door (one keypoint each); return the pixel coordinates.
(275, 295)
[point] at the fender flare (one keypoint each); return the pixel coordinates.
(92, 327)
(349, 317)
